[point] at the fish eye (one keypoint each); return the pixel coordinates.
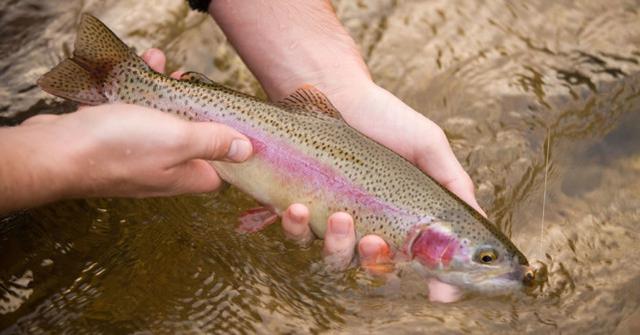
(487, 256)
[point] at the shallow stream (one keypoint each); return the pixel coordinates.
(505, 79)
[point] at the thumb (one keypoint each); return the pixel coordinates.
(40, 118)
(214, 141)
(195, 176)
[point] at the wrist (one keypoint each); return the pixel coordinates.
(287, 44)
(32, 172)
(56, 164)
(336, 73)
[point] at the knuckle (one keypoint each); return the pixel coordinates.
(439, 136)
(215, 146)
(219, 141)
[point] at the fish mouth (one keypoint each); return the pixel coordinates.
(523, 274)
(497, 280)
(529, 276)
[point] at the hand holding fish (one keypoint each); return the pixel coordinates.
(134, 151)
(304, 151)
(113, 150)
(340, 239)
(287, 44)
(318, 50)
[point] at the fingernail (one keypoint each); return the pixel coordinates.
(151, 52)
(177, 74)
(368, 249)
(239, 150)
(295, 217)
(340, 228)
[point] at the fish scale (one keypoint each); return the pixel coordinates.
(304, 152)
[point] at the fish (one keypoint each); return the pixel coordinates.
(304, 152)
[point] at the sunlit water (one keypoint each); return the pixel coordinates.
(504, 79)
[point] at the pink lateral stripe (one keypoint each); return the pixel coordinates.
(290, 160)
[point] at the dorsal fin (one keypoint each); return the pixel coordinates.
(310, 99)
(196, 77)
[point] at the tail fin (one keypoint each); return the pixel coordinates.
(81, 78)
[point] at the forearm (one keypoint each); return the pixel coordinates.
(28, 172)
(289, 43)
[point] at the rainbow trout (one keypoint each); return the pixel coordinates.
(305, 153)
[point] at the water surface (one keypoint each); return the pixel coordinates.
(506, 80)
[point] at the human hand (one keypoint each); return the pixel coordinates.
(111, 150)
(287, 51)
(339, 240)
(133, 151)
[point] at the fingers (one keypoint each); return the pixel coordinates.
(39, 119)
(155, 59)
(295, 222)
(195, 176)
(413, 136)
(462, 186)
(177, 74)
(438, 160)
(213, 141)
(374, 254)
(442, 292)
(339, 241)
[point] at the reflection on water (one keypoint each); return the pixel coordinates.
(503, 78)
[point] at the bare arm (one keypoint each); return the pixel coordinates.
(290, 43)
(28, 175)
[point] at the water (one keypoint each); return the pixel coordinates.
(501, 78)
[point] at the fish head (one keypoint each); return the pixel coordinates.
(472, 260)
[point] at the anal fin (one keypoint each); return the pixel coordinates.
(256, 219)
